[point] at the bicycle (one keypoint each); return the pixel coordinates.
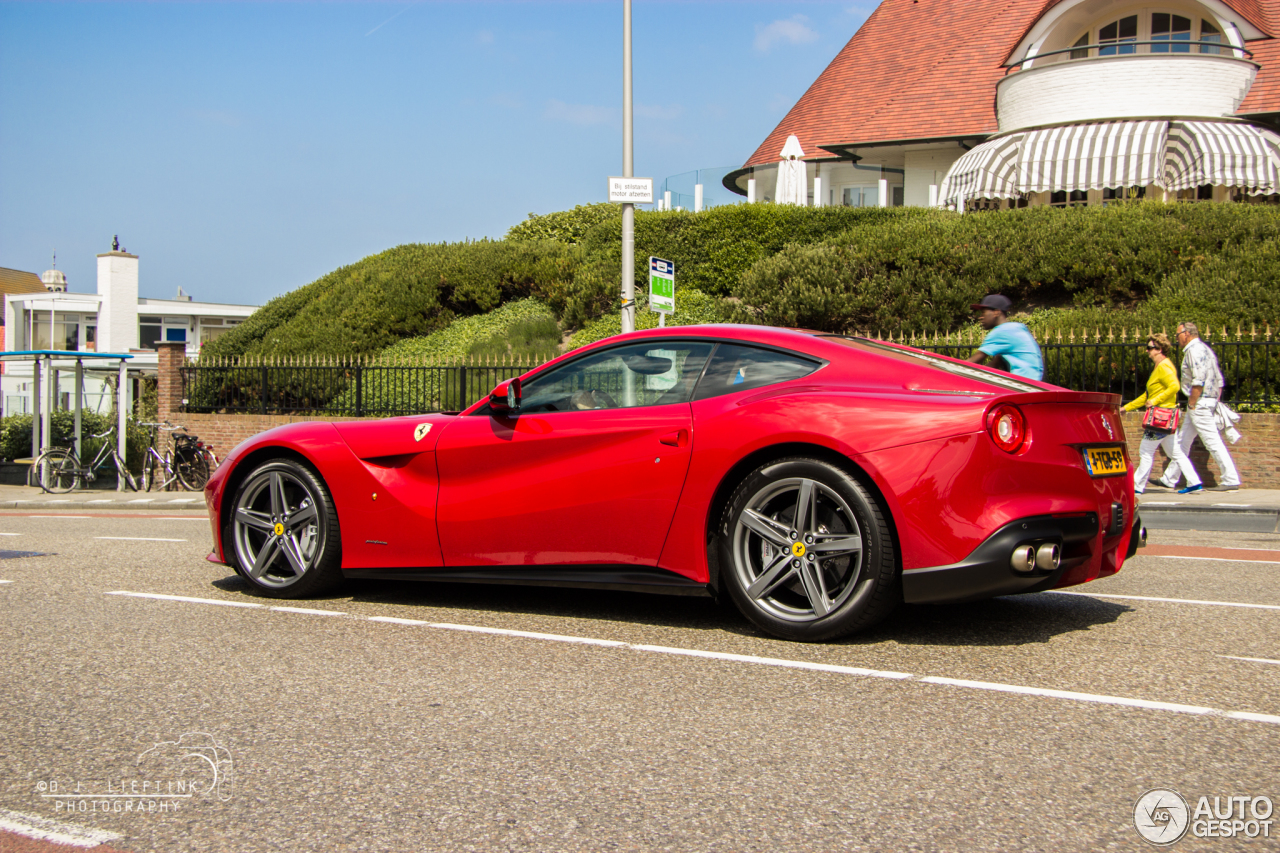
(58, 469)
(185, 465)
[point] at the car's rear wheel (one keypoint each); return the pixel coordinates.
(806, 552)
(284, 531)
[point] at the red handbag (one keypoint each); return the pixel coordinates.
(1161, 418)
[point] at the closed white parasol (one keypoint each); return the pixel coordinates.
(792, 183)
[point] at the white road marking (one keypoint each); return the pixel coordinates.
(6, 581)
(790, 664)
(532, 635)
(1168, 600)
(186, 598)
(903, 677)
(1160, 503)
(139, 539)
(1213, 559)
(100, 501)
(1072, 695)
(396, 621)
(141, 501)
(1251, 660)
(1238, 505)
(43, 829)
(308, 610)
(10, 534)
(203, 518)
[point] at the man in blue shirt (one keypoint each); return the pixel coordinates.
(1012, 342)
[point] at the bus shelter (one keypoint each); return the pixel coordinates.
(46, 365)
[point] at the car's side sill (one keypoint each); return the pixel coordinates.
(624, 578)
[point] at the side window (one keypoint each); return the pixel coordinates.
(648, 374)
(738, 368)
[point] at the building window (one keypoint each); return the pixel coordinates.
(1111, 194)
(1208, 32)
(149, 332)
(1076, 198)
(1169, 27)
(1080, 43)
(90, 338)
(1115, 35)
(174, 335)
(864, 196)
(64, 334)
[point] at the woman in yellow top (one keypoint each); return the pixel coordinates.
(1162, 390)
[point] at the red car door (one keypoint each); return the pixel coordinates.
(559, 484)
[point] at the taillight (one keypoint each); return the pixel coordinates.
(1007, 427)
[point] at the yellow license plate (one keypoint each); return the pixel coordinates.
(1105, 461)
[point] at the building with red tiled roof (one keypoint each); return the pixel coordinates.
(1011, 102)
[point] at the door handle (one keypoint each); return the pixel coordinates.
(679, 438)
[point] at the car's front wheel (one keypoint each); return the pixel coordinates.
(283, 531)
(806, 552)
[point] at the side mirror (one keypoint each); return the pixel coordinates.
(505, 399)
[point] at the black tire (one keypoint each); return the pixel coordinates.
(148, 474)
(56, 470)
(192, 468)
(772, 570)
(301, 520)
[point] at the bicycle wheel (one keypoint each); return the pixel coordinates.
(192, 468)
(57, 469)
(123, 472)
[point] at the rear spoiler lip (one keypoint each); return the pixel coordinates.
(1031, 398)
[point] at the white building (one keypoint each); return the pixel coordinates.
(115, 319)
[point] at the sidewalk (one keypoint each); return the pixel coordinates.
(31, 497)
(1245, 511)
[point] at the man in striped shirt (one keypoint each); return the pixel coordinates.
(1202, 383)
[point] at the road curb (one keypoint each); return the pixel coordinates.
(1217, 518)
(144, 504)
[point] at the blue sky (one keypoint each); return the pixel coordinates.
(245, 149)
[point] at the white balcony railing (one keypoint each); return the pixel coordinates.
(1125, 86)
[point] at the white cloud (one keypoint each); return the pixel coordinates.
(793, 30)
(579, 114)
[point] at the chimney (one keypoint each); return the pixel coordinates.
(118, 314)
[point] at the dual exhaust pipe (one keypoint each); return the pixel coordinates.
(1046, 557)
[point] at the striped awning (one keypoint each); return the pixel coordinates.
(1222, 154)
(990, 170)
(1093, 156)
(1171, 155)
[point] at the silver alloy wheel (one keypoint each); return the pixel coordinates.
(797, 550)
(277, 532)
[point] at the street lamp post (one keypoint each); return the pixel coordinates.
(628, 171)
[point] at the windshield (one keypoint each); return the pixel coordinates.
(999, 380)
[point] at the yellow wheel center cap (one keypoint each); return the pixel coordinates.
(280, 530)
(797, 548)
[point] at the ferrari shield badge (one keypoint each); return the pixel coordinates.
(421, 430)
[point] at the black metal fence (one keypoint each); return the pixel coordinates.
(356, 387)
(362, 387)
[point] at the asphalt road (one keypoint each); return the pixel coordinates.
(334, 729)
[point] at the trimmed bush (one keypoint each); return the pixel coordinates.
(712, 250)
(565, 226)
(923, 272)
(406, 292)
(692, 309)
(472, 335)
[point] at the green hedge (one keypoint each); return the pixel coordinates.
(406, 292)
(1213, 262)
(692, 309)
(565, 226)
(712, 250)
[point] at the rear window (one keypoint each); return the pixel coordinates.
(998, 380)
(737, 368)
